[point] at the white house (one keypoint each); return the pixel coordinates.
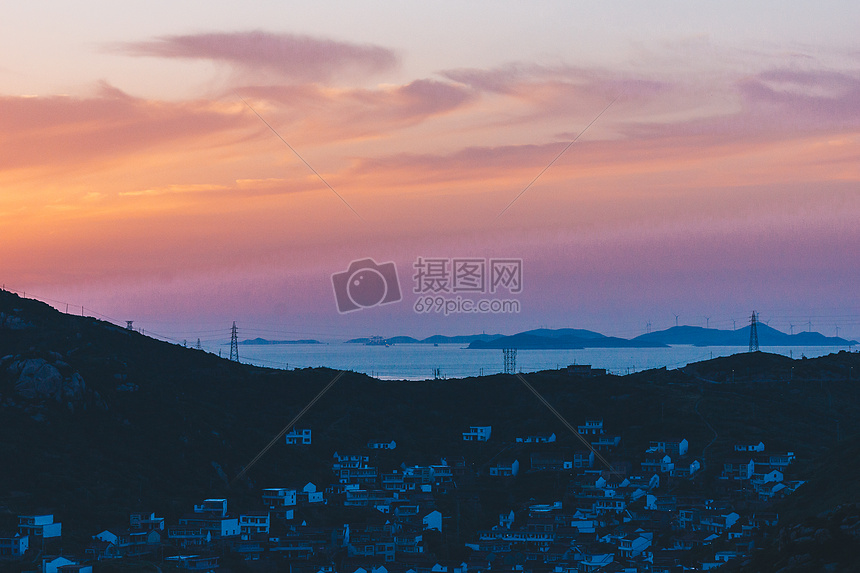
(12, 546)
(213, 506)
(253, 522)
(674, 447)
(382, 445)
(432, 520)
(146, 521)
(537, 439)
(477, 434)
(759, 447)
(632, 545)
(41, 525)
(297, 436)
(277, 497)
(505, 468)
(685, 470)
(310, 494)
(738, 468)
(51, 563)
(591, 428)
(657, 463)
(606, 443)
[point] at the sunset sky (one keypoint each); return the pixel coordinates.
(721, 173)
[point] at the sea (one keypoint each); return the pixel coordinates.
(428, 361)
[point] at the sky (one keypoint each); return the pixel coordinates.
(186, 165)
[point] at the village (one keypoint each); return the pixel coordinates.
(627, 515)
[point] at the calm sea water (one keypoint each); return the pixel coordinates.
(418, 361)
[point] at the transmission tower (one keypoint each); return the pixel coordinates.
(234, 343)
(753, 333)
(510, 355)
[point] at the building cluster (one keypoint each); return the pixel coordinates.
(618, 516)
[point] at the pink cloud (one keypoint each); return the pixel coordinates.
(326, 115)
(64, 131)
(774, 104)
(291, 56)
(529, 81)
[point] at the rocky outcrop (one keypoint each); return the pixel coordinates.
(37, 378)
(12, 322)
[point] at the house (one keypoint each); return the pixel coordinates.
(366, 474)
(477, 434)
(764, 474)
(349, 461)
(13, 546)
(781, 461)
(596, 562)
(584, 370)
(369, 498)
(505, 468)
(409, 542)
(296, 436)
(146, 521)
(441, 474)
(546, 461)
(75, 568)
(127, 542)
(674, 447)
(685, 470)
(537, 439)
(759, 447)
(657, 463)
(189, 536)
(382, 445)
(310, 495)
(717, 522)
(632, 545)
(279, 497)
(738, 468)
(253, 523)
(591, 428)
(52, 563)
(393, 481)
(432, 520)
(210, 517)
(583, 459)
(610, 505)
(606, 443)
(40, 526)
(213, 506)
(194, 562)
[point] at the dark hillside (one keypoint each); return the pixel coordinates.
(98, 420)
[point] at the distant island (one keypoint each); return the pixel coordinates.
(435, 339)
(576, 339)
(263, 341)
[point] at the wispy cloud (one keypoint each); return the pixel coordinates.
(64, 132)
(289, 56)
(326, 115)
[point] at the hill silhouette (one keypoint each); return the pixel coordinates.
(101, 420)
(767, 336)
